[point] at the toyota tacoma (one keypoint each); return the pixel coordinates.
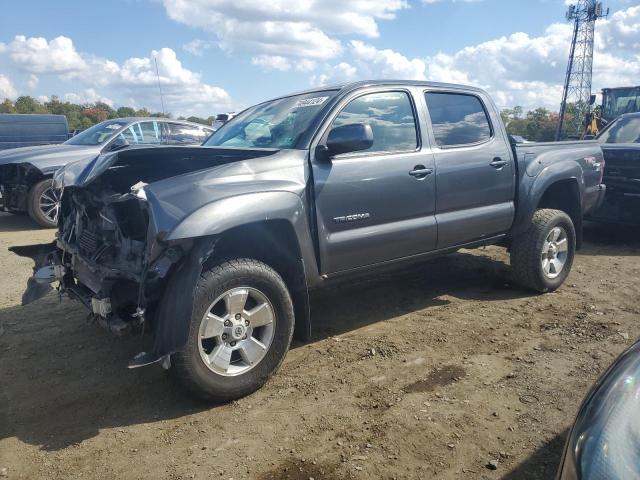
(214, 249)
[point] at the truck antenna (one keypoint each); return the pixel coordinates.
(155, 59)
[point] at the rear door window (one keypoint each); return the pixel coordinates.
(457, 119)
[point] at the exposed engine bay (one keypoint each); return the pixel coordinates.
(100, 257)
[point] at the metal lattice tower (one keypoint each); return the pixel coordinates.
(577, 85)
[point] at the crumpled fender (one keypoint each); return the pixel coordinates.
(175, 310)
(221, 215)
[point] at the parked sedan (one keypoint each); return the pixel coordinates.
(620, 143)
(604, 442)
(26, 173)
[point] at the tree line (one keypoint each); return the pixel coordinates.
(86, 115)
(537, 125)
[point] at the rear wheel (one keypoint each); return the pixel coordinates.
(240, 331)
(542, 257)
(43, 204)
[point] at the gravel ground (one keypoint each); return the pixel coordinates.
(430, 372)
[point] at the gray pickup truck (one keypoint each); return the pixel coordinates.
(214, 249)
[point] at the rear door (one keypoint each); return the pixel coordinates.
(376, 205)
(474, 168)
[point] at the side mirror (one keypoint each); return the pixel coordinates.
(592, 99)
(353, 137)
(589, 137)
(118, 143)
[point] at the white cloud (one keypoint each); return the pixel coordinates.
(387, 63)
(272, 62)
(136, 77)
(305, 65)
(197, 47)
(37, 55)
(342, 72)
(429, 2)
(32, 83)
(290, 28)
(7, 90)
(517, 69)
(88, 96)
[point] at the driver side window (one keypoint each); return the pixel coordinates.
(390, 116)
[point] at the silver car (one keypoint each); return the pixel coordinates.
(26, 173)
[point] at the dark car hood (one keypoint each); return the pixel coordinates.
(49, 158)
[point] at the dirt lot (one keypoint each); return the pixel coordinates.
(427, 373)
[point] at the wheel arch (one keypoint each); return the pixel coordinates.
(565, 195)
(559, 186)
(275, 243)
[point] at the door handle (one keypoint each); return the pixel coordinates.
(498, 163)
(420, 171)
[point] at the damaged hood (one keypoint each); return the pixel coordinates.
(48, 158)
(178, 181)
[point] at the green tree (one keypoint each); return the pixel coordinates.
(123, 112)
(27, 104)
(537, 125)
(7, 106)
(510, 114)
(203, 121)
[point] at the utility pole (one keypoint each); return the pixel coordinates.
(577, 84)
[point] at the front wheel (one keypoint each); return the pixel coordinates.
(541, 258)
(43, 204)
(240, 331)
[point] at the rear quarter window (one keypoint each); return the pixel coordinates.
(457, 119)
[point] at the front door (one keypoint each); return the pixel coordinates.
(474, 170)
(379, 204)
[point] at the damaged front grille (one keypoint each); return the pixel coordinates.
(88, 242)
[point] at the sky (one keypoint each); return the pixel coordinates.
(223, 55)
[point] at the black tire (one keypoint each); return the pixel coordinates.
(189, 368)
(527, 249)
(33, 204)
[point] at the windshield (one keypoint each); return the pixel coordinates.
(620, 100)
(275, 124)
(98, 134)
(622, 130)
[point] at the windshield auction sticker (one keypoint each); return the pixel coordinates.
(310, 102)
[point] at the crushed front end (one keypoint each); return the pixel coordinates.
(107, 255)
(116, 248)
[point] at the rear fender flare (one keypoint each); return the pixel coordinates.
(532, 189)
